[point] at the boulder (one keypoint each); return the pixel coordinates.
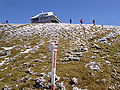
(73, 81)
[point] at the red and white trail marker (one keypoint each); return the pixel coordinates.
(53, 48)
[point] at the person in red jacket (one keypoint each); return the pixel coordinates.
(6, 21)
(94, 21)
(81, 21)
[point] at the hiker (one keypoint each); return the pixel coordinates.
(81, 21)
(70, 21)
(94, 21)
(6, 21)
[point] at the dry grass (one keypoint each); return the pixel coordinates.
(66, 71)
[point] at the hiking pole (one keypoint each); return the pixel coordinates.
(54, 46)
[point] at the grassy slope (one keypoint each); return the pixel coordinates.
(66, 71)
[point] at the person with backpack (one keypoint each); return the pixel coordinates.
(81, 21)
(70, 21)
(94, 21)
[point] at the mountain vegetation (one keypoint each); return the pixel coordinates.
(88, 56)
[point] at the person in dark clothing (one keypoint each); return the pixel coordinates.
(70, 21)
(81, 21)
(94, 21)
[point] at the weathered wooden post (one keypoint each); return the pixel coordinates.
(54, 46)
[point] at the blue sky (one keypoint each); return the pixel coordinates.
(20, 11)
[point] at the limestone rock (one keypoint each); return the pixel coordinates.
(6, 87)
(61, 86)
(39, 83)
(93, 66)
(74, 81)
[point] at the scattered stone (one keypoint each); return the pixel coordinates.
(7, 48)
(1, 79)
(73, 81)
(49, 74)
(8, 53)
(61, 86)
(80, 54)
(93, 66)
(25, 79)
(103, 57)
(104, 80)
(38, 60)
(44, 68)
(16, 85)
(39, 83)
(25, 64)
(76, 88)
(3, 53)
(67, 54)
(9, 75)
(73, 59)
(32, 52)
(32, 65)
(29, 71)
(96, 51)
(6, 87)
(42, 75)
(26, 51)
(96, 46)
(2, 63)
(84, 49)
(93, 57)
(65, 63)
(102, 40)
(112, 88)
(57, 78)
(44, 57)
(108, 62)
